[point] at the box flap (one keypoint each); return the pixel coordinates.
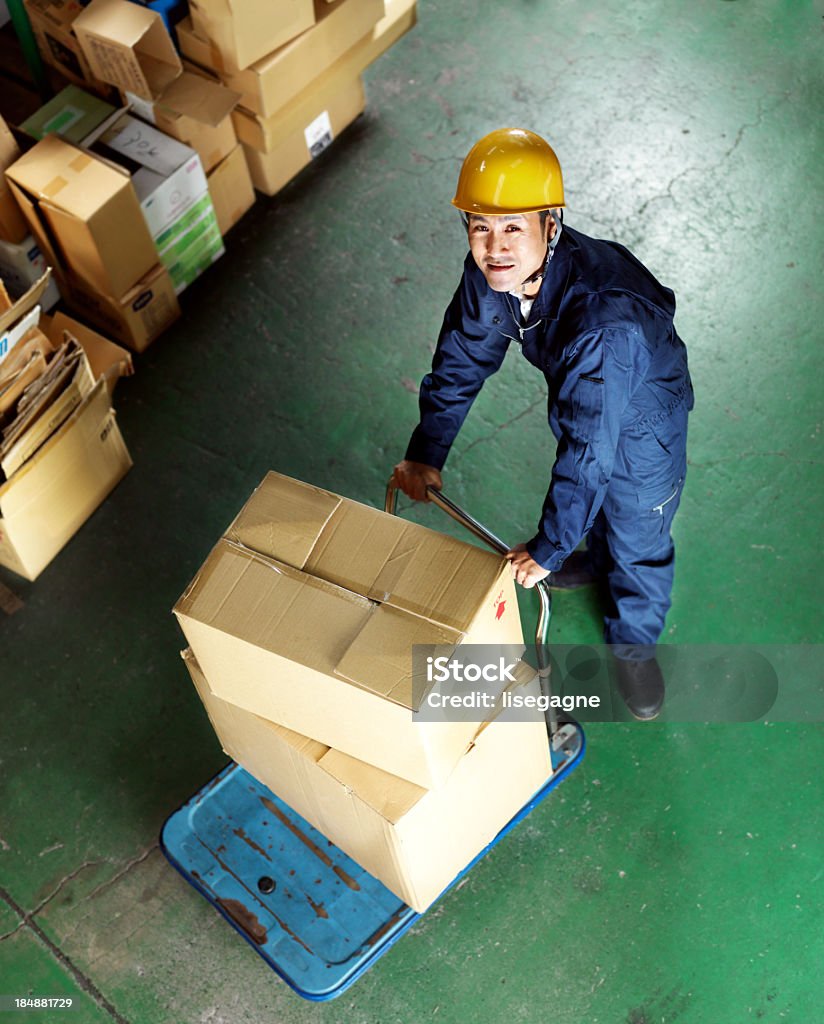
(403, 564)
(127, 45)
(283, 518)
(117, 20)
(192, 95)
(106, 359)
(367, 551)
(390, 796)
(379, 658)
(274, 607)
(26, 302)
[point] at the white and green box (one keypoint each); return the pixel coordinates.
(173, 192)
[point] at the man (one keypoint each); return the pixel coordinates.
(599, 326)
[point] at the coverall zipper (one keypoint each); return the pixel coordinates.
(660, 508)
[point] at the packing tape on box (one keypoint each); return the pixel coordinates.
(54, 186)
(81, 162)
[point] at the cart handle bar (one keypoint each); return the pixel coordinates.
(480, 531)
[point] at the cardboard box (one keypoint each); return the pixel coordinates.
(53, 493)
(44, 504)
(52, 22)
(415, 841)
(13, 227)
(243, 31)
(107, 361)
(194, 110)
(230, 186)
(21, 266)
(72, 114)
(174, 196)
(84, 214)
(321, 121)
(310, 115)
(128, 46)
(137, 318)
(273, 82)
(33, 428)
(306, 612)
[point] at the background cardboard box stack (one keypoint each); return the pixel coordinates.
(87, 220)
(306, 673)
(61, 451)
(130, 47)
(302, 93)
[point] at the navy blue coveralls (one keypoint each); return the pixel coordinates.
(601, 331)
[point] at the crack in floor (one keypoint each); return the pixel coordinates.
(27, 916)
(706, 171)
(501, 426)
(83, 982)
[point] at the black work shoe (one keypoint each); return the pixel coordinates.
(575, 572)
(641, 685)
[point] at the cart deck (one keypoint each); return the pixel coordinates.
(313, 914)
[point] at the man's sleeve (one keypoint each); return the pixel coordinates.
(470, 348)
(592, 396)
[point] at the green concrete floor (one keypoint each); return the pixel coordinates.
(677, 875)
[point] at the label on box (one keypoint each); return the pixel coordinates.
(147, 146)
(318, 134)
(143, 108)
(10, 339)
(62, 120)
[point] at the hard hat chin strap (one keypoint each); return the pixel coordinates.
(550, 250)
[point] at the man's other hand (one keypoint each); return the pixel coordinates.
(414, 477)
(525, 569)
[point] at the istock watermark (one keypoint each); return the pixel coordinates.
(704, 682)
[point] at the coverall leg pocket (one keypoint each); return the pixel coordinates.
(643, 563)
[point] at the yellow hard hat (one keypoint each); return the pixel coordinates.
(510, 170)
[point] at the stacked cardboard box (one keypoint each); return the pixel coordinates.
(133, 51)
(61, 451)
(87, 220)
(301, 624)
(22, 263)
(297, 98)
(242, 31)
(174, 197)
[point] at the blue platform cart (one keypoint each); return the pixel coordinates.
(314, 915)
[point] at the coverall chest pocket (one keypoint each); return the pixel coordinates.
(588, 406)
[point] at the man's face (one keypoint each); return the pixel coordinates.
(508, 248)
